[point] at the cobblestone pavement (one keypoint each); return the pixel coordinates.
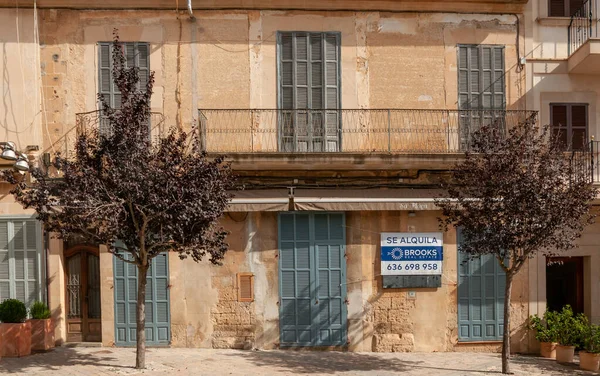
(112, 361)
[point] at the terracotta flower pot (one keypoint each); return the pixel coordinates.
(16, 339)
(42, 335)
(589, 361)
(565, 354)
(548, 350)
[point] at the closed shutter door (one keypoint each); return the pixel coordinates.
(481, 284)
(312, 275)
(20, 259)
(481, 89)
(157, 302)
(309, 86)
(136, 54)
(329, 256)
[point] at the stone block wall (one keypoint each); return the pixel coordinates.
(233, 321)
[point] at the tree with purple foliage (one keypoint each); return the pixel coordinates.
(140, 197)
(515, 194)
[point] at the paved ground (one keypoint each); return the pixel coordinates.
(112, 361)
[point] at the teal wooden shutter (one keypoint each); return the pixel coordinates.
(158, 322)
(330, 320)
(481, 283)
(481, 89)
(309, 83)
(312, 280)
(20, 259)
(4, 262)
(136, 54)
(296, 280)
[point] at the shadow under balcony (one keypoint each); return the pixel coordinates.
(584, 41)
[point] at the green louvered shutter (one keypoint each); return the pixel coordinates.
(4, 262)
(20, 259)
(481, 283)
(329, 246)
(481, 88)
(158, 324)
(312, 271)
(309, 86)
(136, 54)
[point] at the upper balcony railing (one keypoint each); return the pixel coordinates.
(363, 131)
(581, 27)
(86, 121)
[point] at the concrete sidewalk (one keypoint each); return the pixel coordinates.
(119, 361)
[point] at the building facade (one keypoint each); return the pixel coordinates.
(340, 118)
(563, 81)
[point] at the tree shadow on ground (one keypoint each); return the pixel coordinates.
(59, 359)
(331, 362)
(548, 365)
(299, 361)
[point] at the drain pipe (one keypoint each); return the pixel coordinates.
(190, 9)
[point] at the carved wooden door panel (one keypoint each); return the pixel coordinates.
(82, 275)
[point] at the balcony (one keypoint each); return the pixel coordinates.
(583, 41)
(345, 142)
(391, 131)
(93, 120)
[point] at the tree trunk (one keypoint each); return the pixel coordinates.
(140, 358)
(506, 334)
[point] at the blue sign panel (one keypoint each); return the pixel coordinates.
(411, 253)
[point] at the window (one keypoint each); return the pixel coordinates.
(309, 89)
(481, 89)
(136, 54)
(245, 286)
(481, 77)
(569, 123)
(564, 8)
(20, 260)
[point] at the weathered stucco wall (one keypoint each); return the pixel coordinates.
(227, 59)
(20, 116)
(378, 319)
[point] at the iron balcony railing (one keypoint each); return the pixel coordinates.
(581, 28)
(86, 121)
(595, 160)
(353, 131)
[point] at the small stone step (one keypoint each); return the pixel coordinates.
(82, 344)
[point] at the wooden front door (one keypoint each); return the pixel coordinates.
(82, 275)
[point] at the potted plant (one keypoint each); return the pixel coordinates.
(42, 330)
(590, 358)
(16, 332)
(569, 332)
(545, 332)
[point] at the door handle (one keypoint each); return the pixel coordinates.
(317, 301)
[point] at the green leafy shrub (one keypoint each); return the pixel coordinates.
(591, 339)
(571, 328)
(39, 311)
(546, 328)
(13, 311)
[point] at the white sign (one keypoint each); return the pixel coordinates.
(407, 253)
